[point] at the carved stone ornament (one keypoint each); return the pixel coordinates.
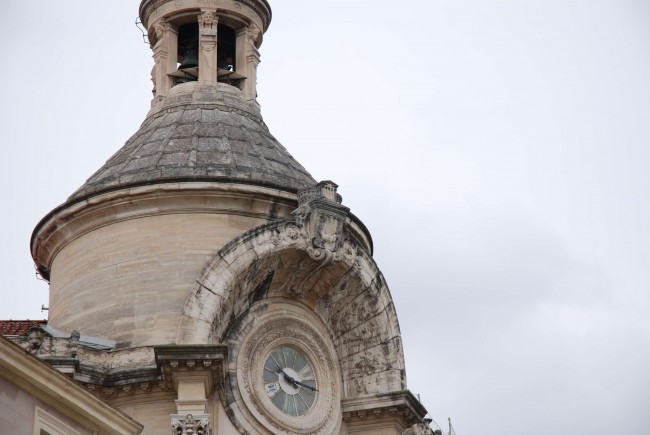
(208, 20)
(288, 329)
(160, 28)
(317, 261)
(418, 429)
(323, 220)
(190, 424)
(253, 35)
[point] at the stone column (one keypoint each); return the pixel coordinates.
(192, 404)
(164, 55)
(246, 41)
(208, 22)
(241, 47)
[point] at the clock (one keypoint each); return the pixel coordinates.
(285, 377)
(289, 381)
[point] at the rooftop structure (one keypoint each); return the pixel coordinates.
(202, 279)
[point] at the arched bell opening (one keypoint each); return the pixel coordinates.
(188, 68)
(187, 55)
(226, 50)
(205, 46)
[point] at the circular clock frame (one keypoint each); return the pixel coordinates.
(289, 329)
(290, 381)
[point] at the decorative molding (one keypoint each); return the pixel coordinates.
(208, 20)
(191, 424)
(45, 422)
(105, 373)
(160, 28)
(260, 7)
(260, 334)
(400, 405)
(71, 221)
(420, 429)
(253, 36)
(203, 362)
(314, 259)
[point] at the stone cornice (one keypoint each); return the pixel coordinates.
(62, 394)
(399, 404)
(204, 362)
(261, 8)
(70, 221)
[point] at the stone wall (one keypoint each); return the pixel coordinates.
(129, 281)
(17, 408)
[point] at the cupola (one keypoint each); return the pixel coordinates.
(205, 41)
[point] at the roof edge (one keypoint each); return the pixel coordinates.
(187, 184)
(61, 393)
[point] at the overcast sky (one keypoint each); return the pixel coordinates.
(497, 150)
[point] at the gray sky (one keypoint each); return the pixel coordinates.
(496, 150)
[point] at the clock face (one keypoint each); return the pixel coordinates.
(289, 381)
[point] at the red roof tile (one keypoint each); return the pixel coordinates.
(18, 327)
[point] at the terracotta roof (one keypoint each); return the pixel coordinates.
(18, 327)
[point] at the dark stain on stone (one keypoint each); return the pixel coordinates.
(262, 289)
(273, 212)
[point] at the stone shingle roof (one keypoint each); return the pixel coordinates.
(18, 327)
(199, 136)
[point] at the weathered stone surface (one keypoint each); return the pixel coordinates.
(186, 139)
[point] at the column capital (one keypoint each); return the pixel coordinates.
(189, 424)
(202, 363)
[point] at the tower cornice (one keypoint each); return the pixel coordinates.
(261, 7)
(74, 219)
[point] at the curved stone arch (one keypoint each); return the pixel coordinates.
(339, 282)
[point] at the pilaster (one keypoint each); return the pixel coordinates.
(250, 56)
(164, 55)
(208, 22)
(194, 371)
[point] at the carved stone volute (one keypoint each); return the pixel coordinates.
(323, 219)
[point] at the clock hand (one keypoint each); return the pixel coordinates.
(293, 381)
(304, 385)
(286, 376)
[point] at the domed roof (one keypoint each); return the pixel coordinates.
(207, 135)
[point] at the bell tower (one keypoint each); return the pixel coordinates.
(205, 42)
(201, 280)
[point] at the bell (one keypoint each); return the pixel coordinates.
(190, 60)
